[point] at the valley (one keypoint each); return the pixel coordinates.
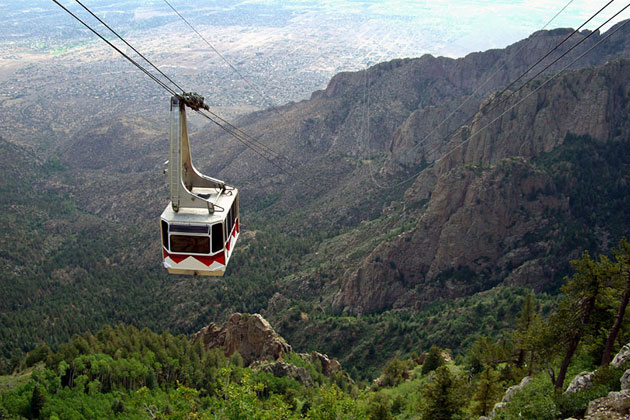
(393, 232)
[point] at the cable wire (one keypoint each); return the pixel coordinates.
(253, 144)
(253, 147)
(250, 84)
(566, 52)
(495, 104)
(132, 61)
(532, 92)
(496, 71)
(130, 46)
(554, 48)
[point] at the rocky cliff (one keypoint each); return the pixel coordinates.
(249, 335)
(262, 348)
(469, 237)
(484, 205)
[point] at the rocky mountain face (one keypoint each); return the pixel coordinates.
(262, 348)
(469, 237)
(384, 121)
(481, 203)
(393, 104)
(249, 335)
(381, 121)
(499, 202)
(591, 101)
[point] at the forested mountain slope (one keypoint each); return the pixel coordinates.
(339, 254)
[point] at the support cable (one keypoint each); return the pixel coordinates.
(555, 48)
(130, 46)
(500, 101)
(496, 71)
(253, 147)
(257, 147)
(250, 84)
(565, 53)
(131, 60)
(532, 92)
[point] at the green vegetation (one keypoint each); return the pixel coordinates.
(593, 175)
(123, 372)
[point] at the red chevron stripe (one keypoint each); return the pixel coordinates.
(206, 260)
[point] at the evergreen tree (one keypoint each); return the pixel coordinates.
(527, 336)
(488, 392)
(441, 401)
(622, 271)
(575, 308)
(395, 372)
(38, 399)
(433, 361)
(523, 324)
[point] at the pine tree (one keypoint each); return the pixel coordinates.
(440, 397)
(622, 271)
(488, 392)
(523, 324)
(433, 361)
(580, 295)
(38, 399)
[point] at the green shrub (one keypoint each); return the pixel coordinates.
(574, 405)
(534, 402)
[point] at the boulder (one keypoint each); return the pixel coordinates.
(580, 382)
(625, 380)
(622, 357)
(280, 368)
(508, 396)
(615, 406)
(329, 366)
(249, 334)
(514, 389)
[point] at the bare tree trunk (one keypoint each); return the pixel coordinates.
(573, 343)
(607, 356)
(550, 372)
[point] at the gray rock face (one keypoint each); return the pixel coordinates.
(625, 380)
(514, 389)
(250, 335)
(580, 382)
(329, 366)
(615, 406)
(280, 368)
(483, 197)
(507, 397)
(472, 228)
(621, 357)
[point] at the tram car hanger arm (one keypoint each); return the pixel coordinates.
(200, 225)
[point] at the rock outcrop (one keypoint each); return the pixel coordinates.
(589, 101)
(483, 196)
(329, 366)
(280, 368)
(615, 406)
(580, 382)
(249, 334)
(621, 357)
(509, 393)
(470, 236)
(263, 349)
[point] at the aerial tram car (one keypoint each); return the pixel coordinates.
(200, 225)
